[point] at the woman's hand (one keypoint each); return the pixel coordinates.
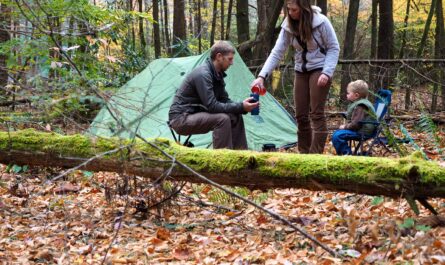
(258, 82)
(323, 80)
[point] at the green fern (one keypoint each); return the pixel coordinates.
(427, 125)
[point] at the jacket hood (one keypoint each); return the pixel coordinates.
(317, 20)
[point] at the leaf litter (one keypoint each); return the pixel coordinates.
(73, 223)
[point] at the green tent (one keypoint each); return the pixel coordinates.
(143, 104)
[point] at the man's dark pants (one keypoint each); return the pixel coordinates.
(228, 129)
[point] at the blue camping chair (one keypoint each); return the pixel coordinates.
(381, 107)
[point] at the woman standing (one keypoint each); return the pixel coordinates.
(316, 54)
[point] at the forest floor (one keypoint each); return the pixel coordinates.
(103, 218)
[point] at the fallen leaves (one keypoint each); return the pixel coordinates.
(71, 223)
(66, 187)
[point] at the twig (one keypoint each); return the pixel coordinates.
(203, 203)
(271, 213)
(117, 230)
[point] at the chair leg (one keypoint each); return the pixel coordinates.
(358, 147)
(173, 133)
(187, 140)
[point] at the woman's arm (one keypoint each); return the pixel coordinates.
(332, 48)
(275, 56)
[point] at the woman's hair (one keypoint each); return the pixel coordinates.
(303, 26)
(360, 87)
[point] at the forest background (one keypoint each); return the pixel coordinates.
(63, 50)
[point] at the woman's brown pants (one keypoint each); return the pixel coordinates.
(310, 100)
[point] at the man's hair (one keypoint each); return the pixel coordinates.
(222, 47)
(360, 87)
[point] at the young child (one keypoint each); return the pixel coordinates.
(359, 112)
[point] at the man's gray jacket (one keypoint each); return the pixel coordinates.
(203, 90)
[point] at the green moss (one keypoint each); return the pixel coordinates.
(338, 169)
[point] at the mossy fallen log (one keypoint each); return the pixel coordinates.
(409, 176)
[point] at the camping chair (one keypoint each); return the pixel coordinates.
(177, 137)
(381, 107)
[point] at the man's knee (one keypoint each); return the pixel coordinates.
(223, 119)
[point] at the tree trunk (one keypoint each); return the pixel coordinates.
(205, 19)
(348, 46)
(242, 26)
(222, 19)
(54, 26)
(323, 4)
(440, 40)
(402, 53)
(156, 32)
(436, 51)
(213, 29)
(141, 29)
(373, 54)
(132, 26)
(5, 13)
(427, 29)
(385, 44)
(166, 27)
(405, 25)
(190, 19)
(199, 27)
(179, 24)
(179, 27)
(410, 176)
(229, 19)
(268, 13)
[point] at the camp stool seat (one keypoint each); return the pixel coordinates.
(177, 137)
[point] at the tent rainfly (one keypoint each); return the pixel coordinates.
(143, 103)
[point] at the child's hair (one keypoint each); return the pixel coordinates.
(360, 87)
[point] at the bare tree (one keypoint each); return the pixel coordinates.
(141, 28)
(212, 30)
(222, 19)
(268, 13)
(440, 49)
(426, 29)
(190, 18)
(229, 19)
(242, 26)
(166, 27)
(131, 28)
(348, 46)
(156, 32)
(4, 37)
(323, 4)
(405, 25)
(373, 53)
(199, 27)
(385, 44)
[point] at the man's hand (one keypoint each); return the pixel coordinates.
(258, 82)
(323, 80)
(248, 106)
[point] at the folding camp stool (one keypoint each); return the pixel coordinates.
(177, 137)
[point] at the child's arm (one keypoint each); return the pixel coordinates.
(357, 116)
